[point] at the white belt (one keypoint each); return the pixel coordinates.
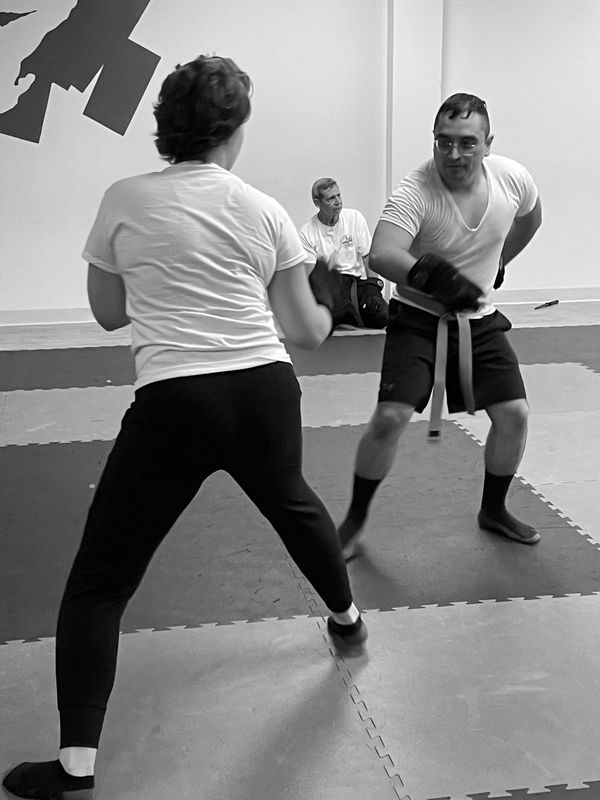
(465, 371)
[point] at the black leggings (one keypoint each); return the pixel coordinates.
(175, 434)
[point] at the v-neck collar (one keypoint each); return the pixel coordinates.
(457, 210)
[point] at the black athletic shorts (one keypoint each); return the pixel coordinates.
(409, 355)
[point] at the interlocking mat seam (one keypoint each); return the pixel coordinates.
(376, 743)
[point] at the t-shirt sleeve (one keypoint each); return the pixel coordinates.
(405, 207)
(528, 193)
(309, 247)
(363, 235)
(98, 249)
(290, 251)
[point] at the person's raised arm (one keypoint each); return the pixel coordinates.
(106, 294)
(430, 274)
(304, 321)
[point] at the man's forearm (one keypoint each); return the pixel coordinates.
(391, 264)
(521, 233)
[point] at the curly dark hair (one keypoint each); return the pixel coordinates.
(199, 106)
(463, 105)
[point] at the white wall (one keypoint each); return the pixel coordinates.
(319, 70)
(537, 64)
(347, 88)
(416, 73)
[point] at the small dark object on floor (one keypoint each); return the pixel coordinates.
(545, 305)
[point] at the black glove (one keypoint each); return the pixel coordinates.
(500, 275)
(373, 305)
(321, 284)
(440, 279)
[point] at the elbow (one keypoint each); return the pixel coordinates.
(310, 340)
(375, 262)
(310, 337)
(314, 343)
(111, 323)
(536, 221)
(384, 263)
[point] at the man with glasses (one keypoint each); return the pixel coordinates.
(440, 239)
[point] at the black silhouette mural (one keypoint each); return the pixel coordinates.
(7, 16)
(93, 38)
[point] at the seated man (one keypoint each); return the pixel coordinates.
(340, 238)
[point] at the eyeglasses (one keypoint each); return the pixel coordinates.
(446, 145)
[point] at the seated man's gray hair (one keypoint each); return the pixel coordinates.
(321, 186)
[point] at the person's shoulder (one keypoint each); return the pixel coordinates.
(511, 174)
(418, 184)
(262, 209)
(256, 197)
(140, 180)
(421, 177)
(124, 189)
(310, 225)
(352, 214)
(504, 166)
(125, 184)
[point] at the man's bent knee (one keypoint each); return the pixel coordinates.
(511, 415)
(389, 420)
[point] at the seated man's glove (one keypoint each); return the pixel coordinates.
(322, 284)
(373, 305)
(440, 279)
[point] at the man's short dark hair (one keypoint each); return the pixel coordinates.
(321, 186)
(463, 105)
(200, 105)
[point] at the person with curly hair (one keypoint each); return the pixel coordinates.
(198, 262)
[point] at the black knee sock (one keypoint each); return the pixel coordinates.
(362, 494)
(495, 489)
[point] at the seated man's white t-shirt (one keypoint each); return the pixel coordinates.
(342, 245)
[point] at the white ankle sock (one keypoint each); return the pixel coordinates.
(78, 761)
(348, 617)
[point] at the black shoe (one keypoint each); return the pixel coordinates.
(348, 640)
(47, 780)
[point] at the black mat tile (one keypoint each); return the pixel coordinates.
(340, 354)
(552, 792)
(423, 545)
(222, 562)
(101, 366)
(577, 344)
(66, 368)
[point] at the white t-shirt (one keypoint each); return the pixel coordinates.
(423, 206)
(345, 243)
(196, 248)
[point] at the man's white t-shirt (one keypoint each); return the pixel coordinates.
(423, 206)
(196, 248)
(343, 244)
